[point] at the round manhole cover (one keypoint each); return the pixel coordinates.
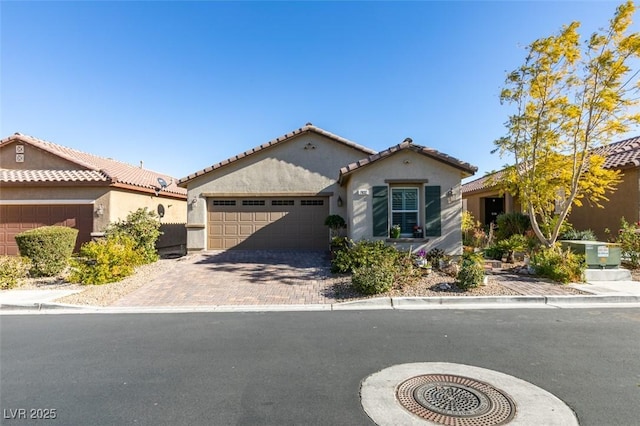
(455, 400)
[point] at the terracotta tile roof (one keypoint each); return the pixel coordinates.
(618, 155)
(408, 144)
(482, 183)
(11, 175)
(621, 155)
(114, 171)
(308, 128)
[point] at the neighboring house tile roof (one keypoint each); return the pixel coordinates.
(408, 144)
(116, 172)
(482, 183)
(11, 175)
(621, 155)
(308, 128)
(618, 155)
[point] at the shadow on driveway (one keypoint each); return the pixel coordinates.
(292, 267)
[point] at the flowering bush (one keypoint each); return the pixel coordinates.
(12, 270)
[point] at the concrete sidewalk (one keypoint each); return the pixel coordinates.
(603, 294)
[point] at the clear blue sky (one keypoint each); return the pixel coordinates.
(183, 85)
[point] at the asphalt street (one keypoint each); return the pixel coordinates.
(299, 368)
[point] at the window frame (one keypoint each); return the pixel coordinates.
(418, 199)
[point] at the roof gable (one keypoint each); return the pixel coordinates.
(308, 128)
(408, 144)
(90, 168)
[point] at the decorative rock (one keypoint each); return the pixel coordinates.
(444, 286)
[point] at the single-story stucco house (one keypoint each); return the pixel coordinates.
(42, 183)
(278, 195)
(484, 201)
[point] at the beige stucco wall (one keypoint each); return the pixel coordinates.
(34, 158)
(121, 203)
(407, 165)
(305, 165)
(116, 203)
(624, 202)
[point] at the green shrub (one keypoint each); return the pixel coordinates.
(561, 266)
(629, 240)
(473, 235)
(512, 224)
(105, 261)
(363, 253)
(49, 248)
(406, 270)
(373, 279)
(574, 234)
(335, 222)
(494, 251)
(144, 227)
(471, 271)
(434, 256)
(12, 270)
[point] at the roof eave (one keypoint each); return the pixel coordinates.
(288, 136)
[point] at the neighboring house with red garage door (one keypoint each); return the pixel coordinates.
(42, 183)
(484, 200)
(277, 195)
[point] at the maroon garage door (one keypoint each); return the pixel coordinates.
(16, 219)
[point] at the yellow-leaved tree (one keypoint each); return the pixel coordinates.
(569, 97)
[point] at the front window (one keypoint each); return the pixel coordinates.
(404, 209)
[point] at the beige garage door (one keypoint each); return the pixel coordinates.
(16, 219)
(268, 223)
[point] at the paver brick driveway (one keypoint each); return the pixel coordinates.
(239, 277)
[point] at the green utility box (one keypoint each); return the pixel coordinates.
(598, 255)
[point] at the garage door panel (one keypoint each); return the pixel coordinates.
(230, 216)
(15, 219)
(231, 229)
(274, 224)
(246, 217)
(246, 230)
(216, 216)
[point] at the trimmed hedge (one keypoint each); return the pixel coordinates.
(49, 248)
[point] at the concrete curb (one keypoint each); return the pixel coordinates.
(42, 306)
(366, 304)
(416, 302)
(381, 303)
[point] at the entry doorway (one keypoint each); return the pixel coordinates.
(493, 206)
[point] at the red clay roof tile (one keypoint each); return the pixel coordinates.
(115, 171)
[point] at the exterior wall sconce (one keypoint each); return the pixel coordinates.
(339, 202)
(100, 211)
(451, 195)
